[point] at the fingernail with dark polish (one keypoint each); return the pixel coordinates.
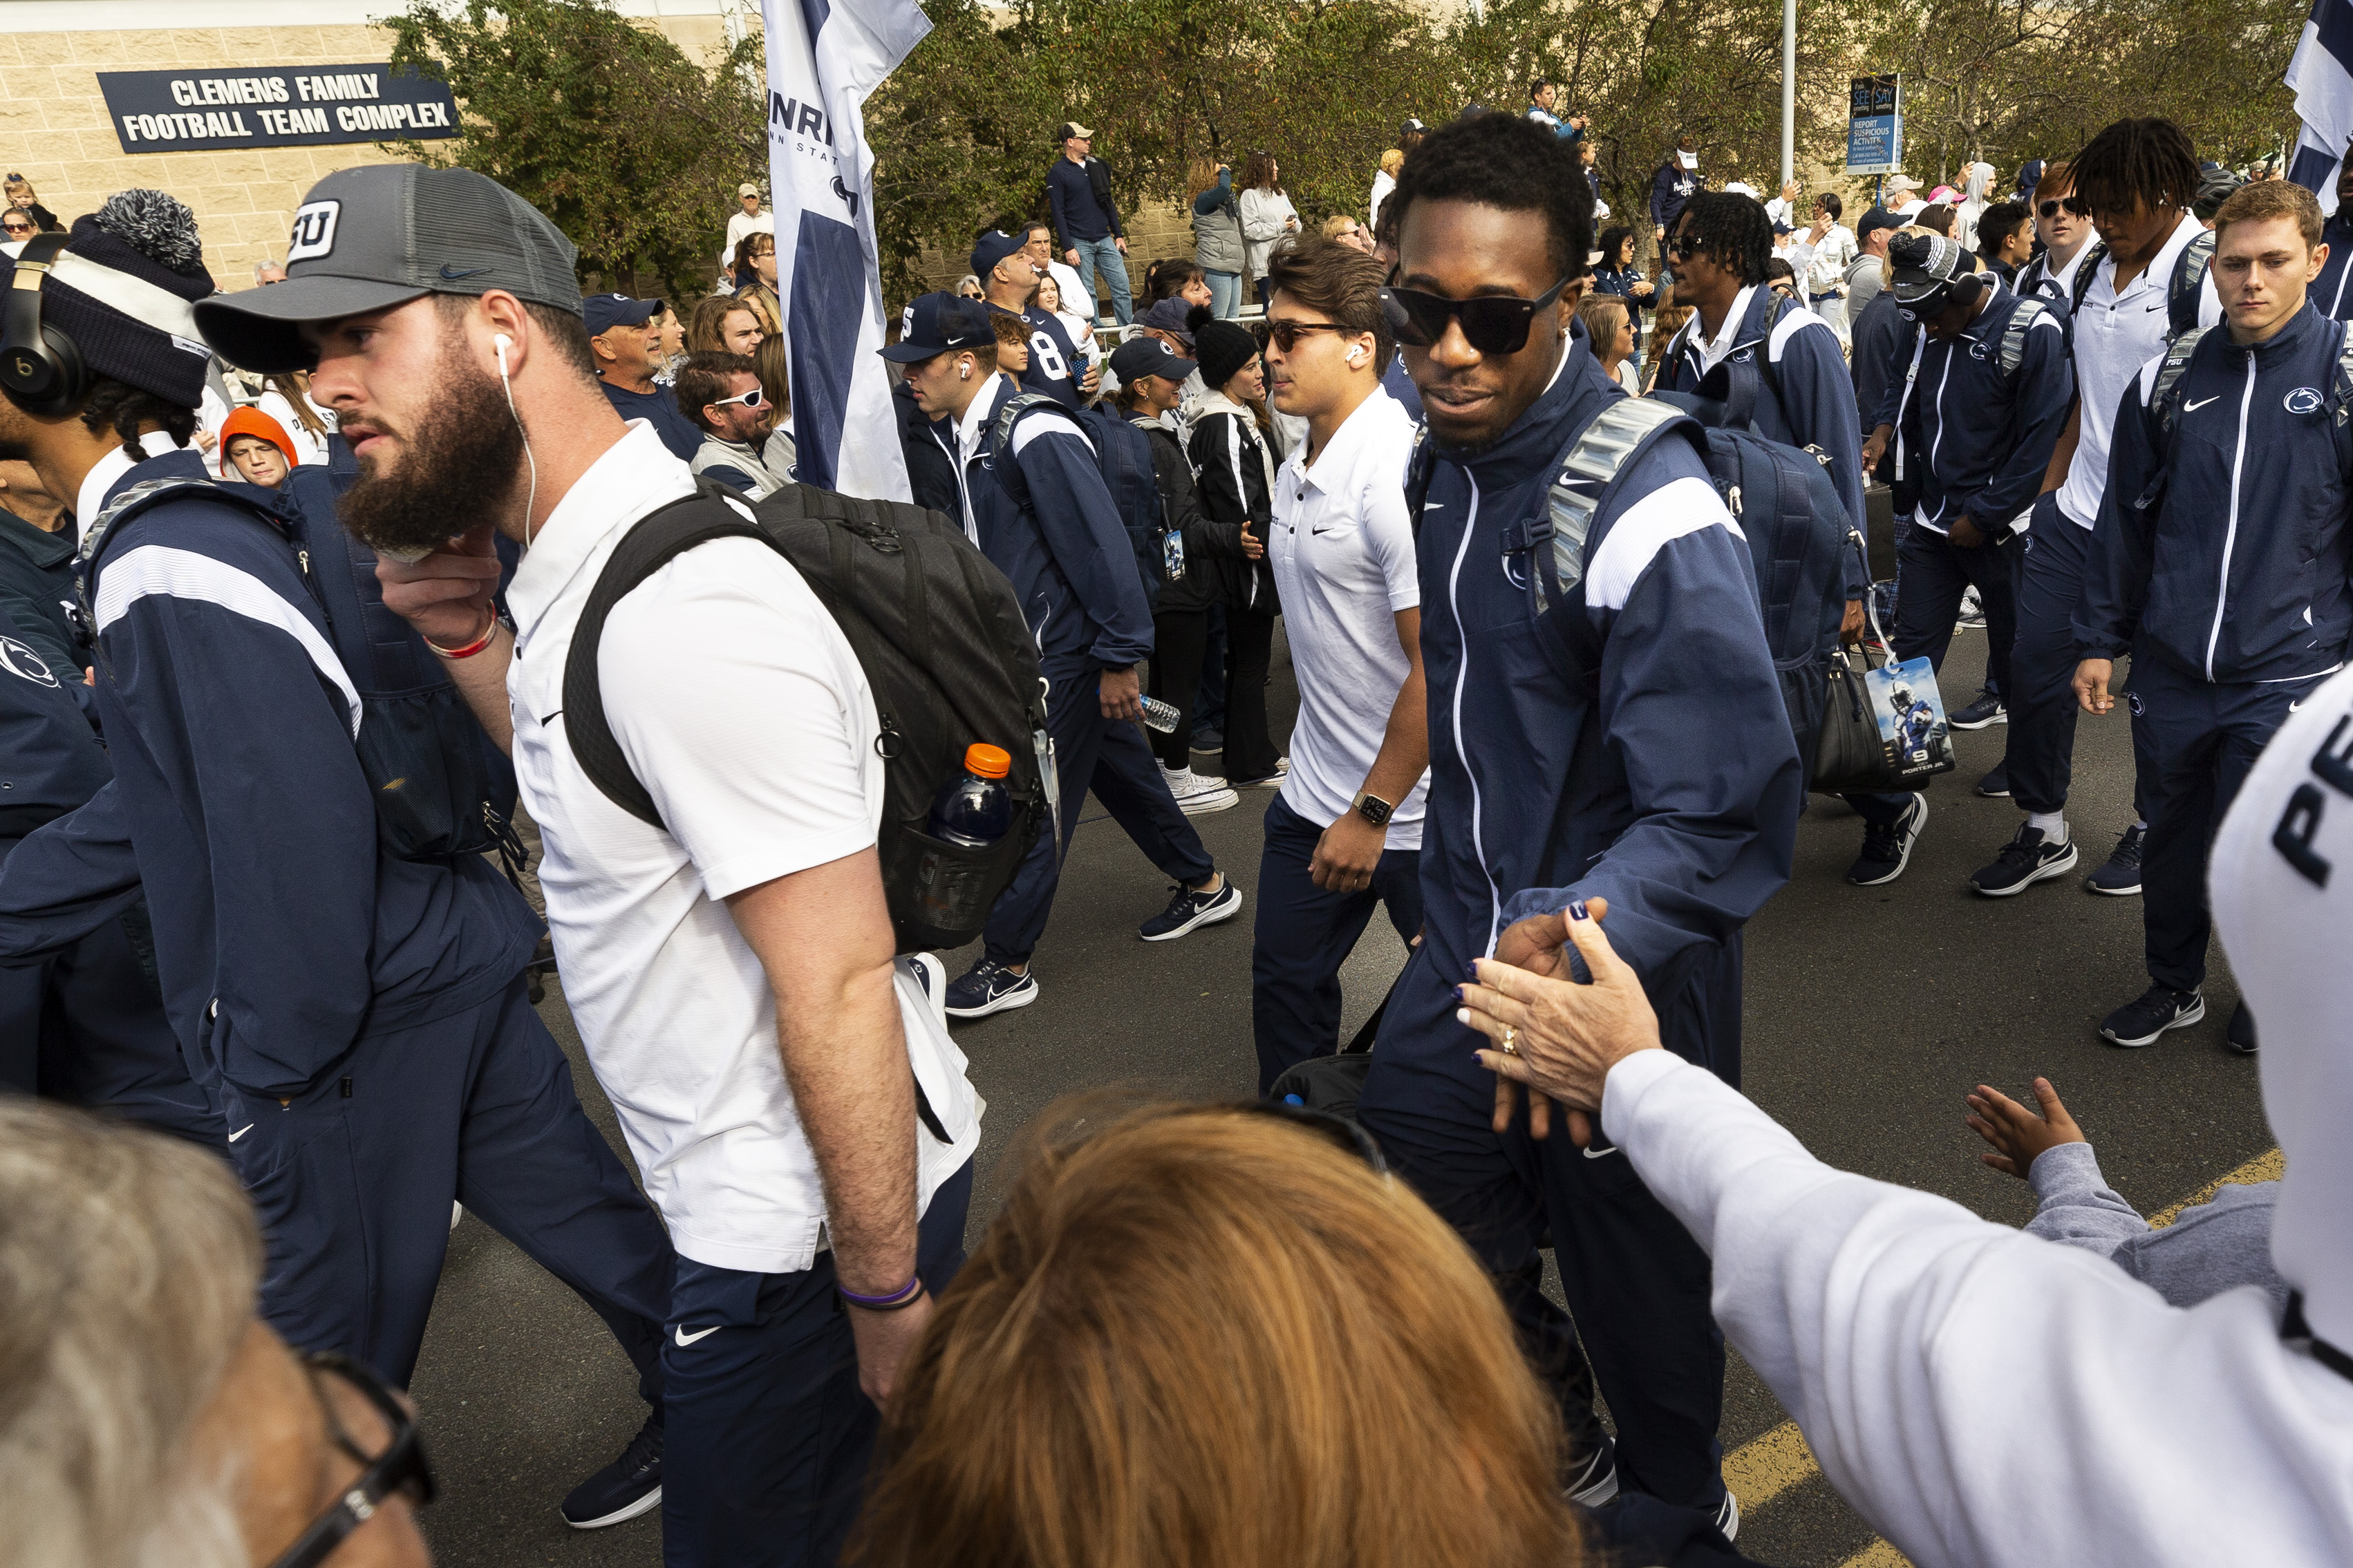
(1577, 910)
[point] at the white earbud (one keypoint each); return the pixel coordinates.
(964, 372)
(500, 344)
(1355, 356)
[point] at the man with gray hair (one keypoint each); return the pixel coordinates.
(147, 1414)
(267, 272)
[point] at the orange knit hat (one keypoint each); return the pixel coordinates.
(254, 422)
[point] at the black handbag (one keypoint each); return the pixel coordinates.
(1851, 756)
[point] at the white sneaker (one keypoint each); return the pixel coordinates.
(1195, 796)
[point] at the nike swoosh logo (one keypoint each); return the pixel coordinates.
(2194, 407)
(1431, 505)
(1601, 1154)
(686, 1339)
(240, 1132)
(451, 274)
(2294, 706)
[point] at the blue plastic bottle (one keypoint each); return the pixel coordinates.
(974, 811)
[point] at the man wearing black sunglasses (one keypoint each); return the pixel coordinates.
(1627, 738)
(2064, 231)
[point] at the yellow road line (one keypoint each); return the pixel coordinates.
(1763, 1467)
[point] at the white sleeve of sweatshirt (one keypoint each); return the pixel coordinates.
(1983, 1396)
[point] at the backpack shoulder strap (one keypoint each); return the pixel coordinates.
(137, 498)
(2013, 336)
(2189, 278)
(2164, 393)
(2087, 268)
(1019, 404)
(1420, 468)
(2345, 377)
(650, 543)
(1589, 471)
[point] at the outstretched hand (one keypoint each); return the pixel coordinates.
(2016, 1134)
(1565, 1037)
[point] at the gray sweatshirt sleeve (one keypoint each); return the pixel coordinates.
(2211, 1249)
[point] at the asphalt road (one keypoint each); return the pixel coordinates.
(1868, 1016)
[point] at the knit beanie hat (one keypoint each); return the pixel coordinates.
(122, 289)
(1222, 349)
(254, 422)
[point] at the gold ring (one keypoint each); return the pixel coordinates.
(1511, 1040)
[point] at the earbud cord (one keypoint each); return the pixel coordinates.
(530, 463)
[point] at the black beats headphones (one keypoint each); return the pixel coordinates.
(40, 368)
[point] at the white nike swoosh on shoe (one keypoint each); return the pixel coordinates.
(2194, 407)
(686, 1339)
(240, 1132)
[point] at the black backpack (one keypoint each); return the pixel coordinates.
(941, 638)
(441, 787)
(1122, 452)
(1782, 498)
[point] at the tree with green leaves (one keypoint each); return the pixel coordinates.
(632, 149)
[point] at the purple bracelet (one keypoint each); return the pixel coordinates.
(899, 1298)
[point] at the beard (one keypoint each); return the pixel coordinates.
(464, 458)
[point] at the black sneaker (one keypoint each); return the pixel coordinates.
(1995, 785)
(1208, 741)
(2160, 1007)
(2025, 860)
(2241, 1036)
(1727, 1516)
(1189, 908)
(1597, 1482)
(630, 1486)
(2120, 878)
(1987, 710)
(1887, 851)
(988, 987)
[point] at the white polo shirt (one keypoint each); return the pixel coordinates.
(2115, 334)
(1341, 552)
(741, 708)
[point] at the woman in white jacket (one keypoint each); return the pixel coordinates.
(1267, 216)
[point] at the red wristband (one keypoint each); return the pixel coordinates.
(471, 648)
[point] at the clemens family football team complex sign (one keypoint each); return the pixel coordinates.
(274, 106)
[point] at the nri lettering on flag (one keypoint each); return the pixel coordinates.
(824, 59)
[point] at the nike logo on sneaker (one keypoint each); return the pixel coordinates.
(686, 1339)
(451, 274)
(2194, 407)
(240, 1132)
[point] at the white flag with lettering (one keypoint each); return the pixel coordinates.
(824, 58)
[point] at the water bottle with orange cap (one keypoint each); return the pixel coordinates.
(974, 811)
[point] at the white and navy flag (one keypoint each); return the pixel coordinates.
(2321, 77)
(824, 58)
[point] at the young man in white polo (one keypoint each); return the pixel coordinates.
(1344, 833)
(732, 972)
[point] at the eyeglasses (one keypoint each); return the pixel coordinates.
(2076, 205)
(401, 1467)
(1286, 334)
(756, 398)
(1492, 323)
(1348, 1137)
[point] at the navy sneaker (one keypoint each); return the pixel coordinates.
(1211, 742)
(1987, 710)
(2120, 878)
(1887, 851)
(2025, 860)
(2241, 1036)
(2160, 1007)
(988, 987)
(1189, 908)
(1995, 785)
(630, 1486)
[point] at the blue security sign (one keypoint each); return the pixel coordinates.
(274, 106)
(1874, 124)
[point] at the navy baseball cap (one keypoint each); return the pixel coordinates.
(993, 247)
(1874, 221)
(602, 313)
(1148, 356)
(938, 324)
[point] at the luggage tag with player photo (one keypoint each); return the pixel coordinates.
(1917, 737)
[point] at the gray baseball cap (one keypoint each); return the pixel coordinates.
(370, 238)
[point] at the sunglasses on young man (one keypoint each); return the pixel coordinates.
(756, 398)
(1286, 333)
(2076, 205)
(1492, 323)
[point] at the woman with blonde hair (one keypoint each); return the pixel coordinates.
(756, 279)
(1218, 234)
(1217, 1337)
(1383, 183)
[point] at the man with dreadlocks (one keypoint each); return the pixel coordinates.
(356, 1015)
(2143, 283)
